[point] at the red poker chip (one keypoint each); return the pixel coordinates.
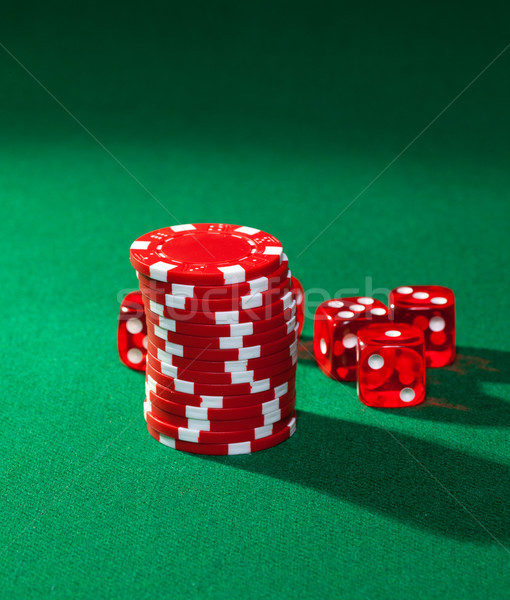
(196, 436)
(233, 366)
(246, 288)
(228, 317)
(282, 392)
(208, 330)
(299, 294)
(222, 343)
(221, 414)
(211, 305)
(206, 254)
(226, 449)
(199, 389)
(298, 290)
(221, 426)
(234, 354)
(132, 332)
(222, 378)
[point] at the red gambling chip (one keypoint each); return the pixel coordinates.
(299, 294)
(246, 288)
(132, 332)
(197, 436)
(225, 317)
(221, 378)
(221, 426)
(206, 254)
(232, 366)
(282, 392)
(207, 330)
(221, 414)
(205, 354)
(208, 304)
(226, 449)
(222, 343)
(199, 389)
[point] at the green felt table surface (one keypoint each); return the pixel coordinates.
(372, 140)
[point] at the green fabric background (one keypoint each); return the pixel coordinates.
(274, 115)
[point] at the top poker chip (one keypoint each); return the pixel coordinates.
(206, 254)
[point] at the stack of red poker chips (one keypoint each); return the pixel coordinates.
(222, 338)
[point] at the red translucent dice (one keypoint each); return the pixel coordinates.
(132, 332)
(431, 308)
(391, 365)
(299, 293)
(336, 325)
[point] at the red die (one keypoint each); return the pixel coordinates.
(299, 293)
(431, 308)
(132, 332)
(334, 338)
(391, 366)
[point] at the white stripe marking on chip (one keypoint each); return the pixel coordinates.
(243, 377)
(227, 317)
(189, 435)
(260, 386)
(180, 289)
(273, 250)
(159, 270)
(239, 448)
(175, 301)
(196, 412)
(187, 387)
(167, 324)
(250, 352)
(233, 274)
(259, 285)
(211, 401)
(199, 424)
(176, 349)
(228, 343)
(241, 329)
(187, 227)
(262, 432)
(167, 441)
(247, 230)
(139, 245)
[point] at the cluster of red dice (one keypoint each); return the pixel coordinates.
(387, 350)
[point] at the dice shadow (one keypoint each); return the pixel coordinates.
(395, 475)
(456, 393)
(460, 393)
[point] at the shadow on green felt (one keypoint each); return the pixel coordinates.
(419, 482)
(365, 465)
(457, 393)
